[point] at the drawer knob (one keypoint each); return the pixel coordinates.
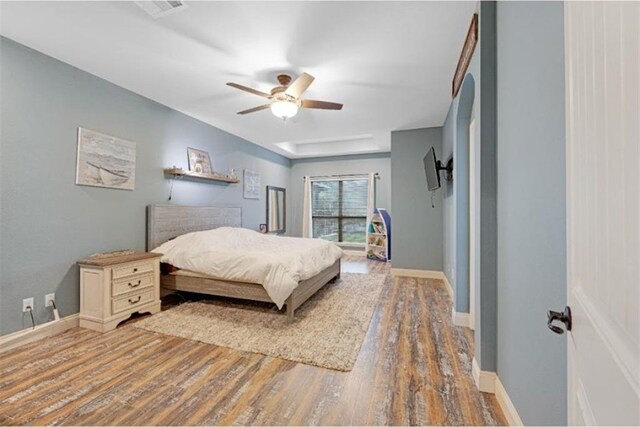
(135, 301)
(135, 269)
(131, 285)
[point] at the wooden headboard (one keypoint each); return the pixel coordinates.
(164, 222)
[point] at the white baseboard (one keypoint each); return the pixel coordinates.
(509, 410)
(25, 336)
(489, 382)
(485, 380)
(448, 285)
(423, 274)
(460, 319)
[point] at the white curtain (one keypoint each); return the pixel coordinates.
(371, 201)
(306, 209)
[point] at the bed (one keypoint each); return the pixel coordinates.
(172, 229)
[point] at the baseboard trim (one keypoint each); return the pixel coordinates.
(423, 274)
(485, 380)
(507, 406)
(25, 336)
(448, 286)
(489, 382)
(460, 319)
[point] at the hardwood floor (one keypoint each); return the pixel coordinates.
(414, 368)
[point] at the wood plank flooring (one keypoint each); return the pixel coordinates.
(414, 368)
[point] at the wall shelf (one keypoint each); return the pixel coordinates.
(179, 172)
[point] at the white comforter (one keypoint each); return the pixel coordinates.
(239, 254)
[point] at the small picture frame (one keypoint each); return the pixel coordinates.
(199, 161)
(263, 228)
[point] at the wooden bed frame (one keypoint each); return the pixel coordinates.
(164, 222)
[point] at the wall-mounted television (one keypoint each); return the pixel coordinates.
(432, 168)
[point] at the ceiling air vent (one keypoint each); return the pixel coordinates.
(158, 9)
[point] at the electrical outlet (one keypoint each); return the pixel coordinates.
(48, 298)
(27, 302)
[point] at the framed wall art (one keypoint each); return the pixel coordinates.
(251, 184)
(105, 161)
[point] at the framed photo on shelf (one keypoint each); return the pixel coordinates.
(199, 161)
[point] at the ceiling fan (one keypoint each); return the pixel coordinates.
(285, 99)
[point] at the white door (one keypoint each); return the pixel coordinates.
(602, 46)
(474, 192)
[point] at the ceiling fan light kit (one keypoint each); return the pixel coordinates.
(284, 109)
(285, 99)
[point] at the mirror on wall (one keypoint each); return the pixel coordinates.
(276, 207)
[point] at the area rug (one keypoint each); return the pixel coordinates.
(328, 329)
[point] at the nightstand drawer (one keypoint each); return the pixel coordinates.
(128, 284)
(131, 301)
(132, 269)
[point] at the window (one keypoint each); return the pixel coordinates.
(339, 210)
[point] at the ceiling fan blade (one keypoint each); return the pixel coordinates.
(254, 109)
(300, 84)
(250, 90)
(322, 105)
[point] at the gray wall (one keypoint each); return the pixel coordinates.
(518, 70)
(531, 208)
(355, 164)
(486, 302)
(481, 74)
(47, 222)
(448, 201)
(456, 203)
(416, 226)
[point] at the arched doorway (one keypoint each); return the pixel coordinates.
(464, 118)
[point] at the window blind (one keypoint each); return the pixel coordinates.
(339, 209)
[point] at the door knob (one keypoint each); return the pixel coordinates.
(564, 317)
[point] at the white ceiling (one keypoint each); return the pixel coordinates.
(390, 63)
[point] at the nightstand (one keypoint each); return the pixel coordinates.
(114, 286)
